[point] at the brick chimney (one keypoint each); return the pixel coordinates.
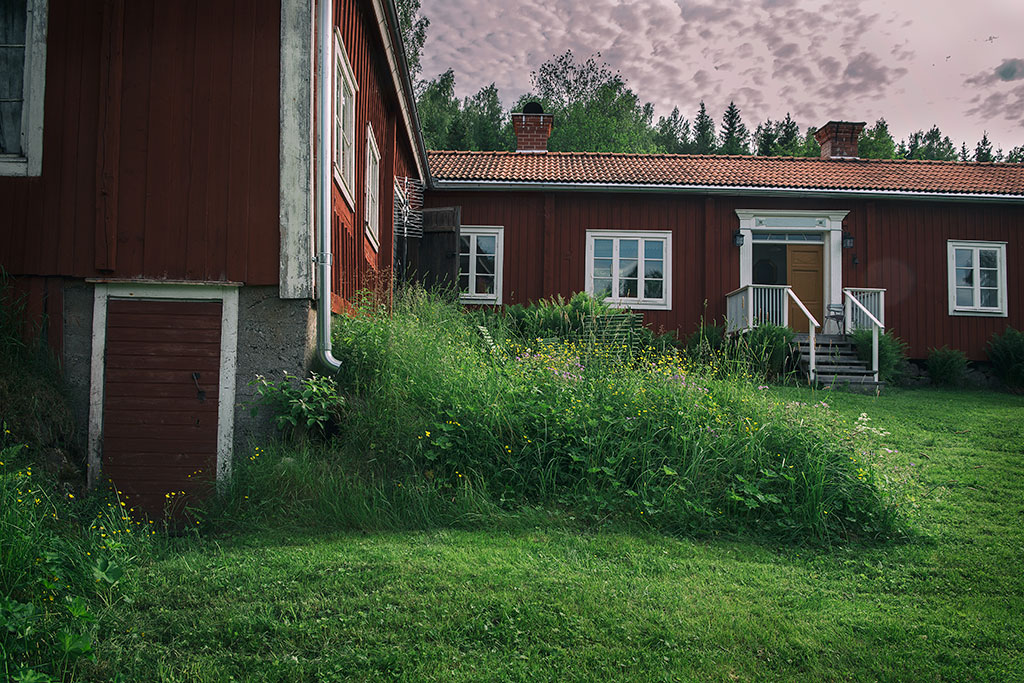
(839, 139)
(533, 128)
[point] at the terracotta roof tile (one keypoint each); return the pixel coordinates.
(732, 171)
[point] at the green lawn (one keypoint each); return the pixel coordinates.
(554, 603)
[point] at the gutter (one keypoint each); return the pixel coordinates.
(484, 185)
(324, 26)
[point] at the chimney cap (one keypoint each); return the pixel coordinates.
(533, 108)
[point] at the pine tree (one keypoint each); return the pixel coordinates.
(983, 150)
(932, 145)
(810, 146)
(964, 154)
(766, 139)
(672, 134)
(703, 132)
(734, 133)
(876, 142)
(787, 134)
(1016, 155)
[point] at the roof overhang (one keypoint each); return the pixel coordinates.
(749, 191)
(387, 24)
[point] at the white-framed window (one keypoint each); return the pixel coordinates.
(345, 89)
(977, 278)
(480, 263)
(372, 204)
(22, 85)
(630, 268)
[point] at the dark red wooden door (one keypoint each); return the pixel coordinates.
(160, 401)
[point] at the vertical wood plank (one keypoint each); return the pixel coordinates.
(108, 141)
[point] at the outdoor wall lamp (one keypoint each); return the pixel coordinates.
(737, 239)
(847, 240)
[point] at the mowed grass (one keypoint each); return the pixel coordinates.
(561, 603)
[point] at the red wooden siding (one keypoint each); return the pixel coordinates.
(357, 264)
(160, 144)
(158, 437)
(900, 245)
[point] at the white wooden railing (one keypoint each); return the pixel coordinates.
(871, 299)
(752, 305)
(859, 316)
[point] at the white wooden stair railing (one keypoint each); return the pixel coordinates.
(753, 305)
(858, 317)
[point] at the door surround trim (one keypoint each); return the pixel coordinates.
(828, 223)
(227, 294)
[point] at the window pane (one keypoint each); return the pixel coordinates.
(654, 249)
(652, 269)
(989, 258)
(464, 244)
(989, 278)
(602, 287)
(627, 268)
(464, 263)
(464, 282)
(485, 265)
(602, 267)
(964, 258)
(627, 248)
(485, 244)
(603, 248)
(653, 289)
(964, 277)
(627, 288)
(484, 284)
(964, 296)
(990, 298)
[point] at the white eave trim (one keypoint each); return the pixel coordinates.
(750, 190)
(396, 77)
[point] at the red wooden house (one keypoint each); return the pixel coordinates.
(163, 204)
(931, 250)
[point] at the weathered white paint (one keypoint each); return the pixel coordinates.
(30, 163)
(296, 150)
(227, 294)
(831, 230)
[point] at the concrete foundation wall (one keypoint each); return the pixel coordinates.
(275, 337)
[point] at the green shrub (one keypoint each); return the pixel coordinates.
(554, 318)
(947, 367)
(892, 354)
(768, 349)
(307, 406)
(659, 440)
(1006, 352)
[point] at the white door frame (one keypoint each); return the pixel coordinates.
(227, 294)
(828, 223)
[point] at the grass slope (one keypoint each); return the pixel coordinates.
(555, 604)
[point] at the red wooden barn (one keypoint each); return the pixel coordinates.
(163, 205)
(933, 251)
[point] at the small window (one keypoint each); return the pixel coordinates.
(344, 119)
(372, 188)
(22, 84)
(977, 278)
(480, 260)
(630, 269)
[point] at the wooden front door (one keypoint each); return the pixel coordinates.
(804, 272)
(160, 391)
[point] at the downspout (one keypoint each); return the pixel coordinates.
(323, 187)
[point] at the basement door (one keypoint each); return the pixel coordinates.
(160, 401)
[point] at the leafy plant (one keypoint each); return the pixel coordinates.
(768, 348)
(947, 367)
(892, 353)
(1006, 351)
(310, 405)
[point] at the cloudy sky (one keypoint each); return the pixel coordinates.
(956, 64)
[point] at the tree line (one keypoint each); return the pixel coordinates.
(596, 111)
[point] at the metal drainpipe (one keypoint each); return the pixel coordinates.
(323, 187)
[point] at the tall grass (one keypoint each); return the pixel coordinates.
(597, 431)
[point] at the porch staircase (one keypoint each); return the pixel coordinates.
(837, 363)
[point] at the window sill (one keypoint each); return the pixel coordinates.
(640, 305)
(374, 242)
(979, 313)
(11, 165)
(479, 300)
(343, 188)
